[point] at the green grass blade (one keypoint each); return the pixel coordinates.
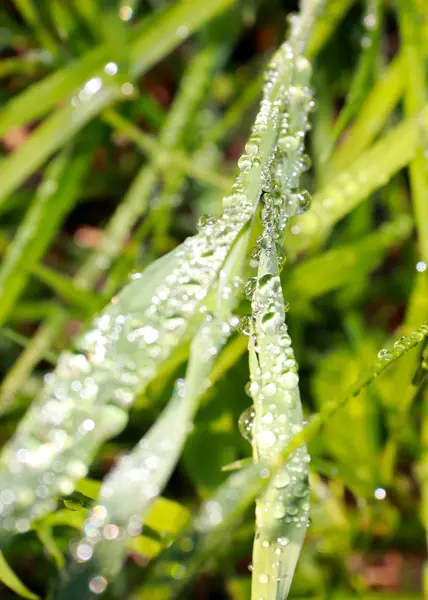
(334, 12)
(121, 352)
(52, 201)
(31, 16)
(37, 348)
(373, 115)
(220, 514)
(159, 36)
(366, 68)
(130, 489)
(136, 201)
(369, 172)
(43, 95)
(339, 266)
(414, 100)
(68, 290)
(10, 580)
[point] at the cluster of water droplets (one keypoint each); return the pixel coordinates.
(282, 512)
(140, 476)
(402, 345)
(85, 399)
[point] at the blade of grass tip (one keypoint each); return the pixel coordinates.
(52, 201)
(365, 72)
(37, 348)
(33, 19)
(222, 513)
(129, 490)
(370, 171)
(282, 510)
(164, 33)
(415, 98)
(85, 400)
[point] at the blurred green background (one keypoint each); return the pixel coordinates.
(120, 126)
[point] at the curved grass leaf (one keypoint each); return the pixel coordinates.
(10, 580)
(366, 68)
(370, 171)
(86, 398)
(224, 511)
(53, 200)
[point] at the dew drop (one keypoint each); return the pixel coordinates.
(98, 584)
(246, 422)
(266, 439)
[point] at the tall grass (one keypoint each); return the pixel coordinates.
(165, 354)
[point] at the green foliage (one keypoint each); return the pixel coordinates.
(129, 282)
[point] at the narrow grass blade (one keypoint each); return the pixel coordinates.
(366, 68)
(34, 351)
(10, 580)
(129, 490)
(339, 266)
(136, 202)
(52, 201)
(334, 12)
(415, 98)
(373, 115)
(68, 290)
(370, 171)
(154, 38)
(32, 17)
(158, 36)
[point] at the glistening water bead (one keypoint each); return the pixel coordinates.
(277, 415)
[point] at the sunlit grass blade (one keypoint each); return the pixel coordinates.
(378, 106)
(337, 267)
(87, 396)
(415, 98)
(128, 492)
(369, 172)
(10, 580)
(222, 512)
(158, 37)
